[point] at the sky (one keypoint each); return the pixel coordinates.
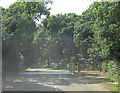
(70, 6)
(60, 6)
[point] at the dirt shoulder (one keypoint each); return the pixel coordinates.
(95, 78)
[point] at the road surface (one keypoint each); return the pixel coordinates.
(54, 80)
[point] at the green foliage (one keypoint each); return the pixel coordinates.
(113, 70)
(18, 28)
(92, 38)
(97, 36)
(115, 89)
(28, 68)
(55, 37)
(104, 66)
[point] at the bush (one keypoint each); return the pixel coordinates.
(113, 70)
(104, 66)
(59, 66)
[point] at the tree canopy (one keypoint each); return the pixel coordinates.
(92, 38)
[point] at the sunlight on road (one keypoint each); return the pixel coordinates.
(44, 71)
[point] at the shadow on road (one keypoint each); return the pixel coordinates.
(91, 77)
(48, 82)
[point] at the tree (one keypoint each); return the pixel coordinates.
(18, 28)
(57, 34)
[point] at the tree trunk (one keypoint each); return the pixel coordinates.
(48, 63)
(78, 65)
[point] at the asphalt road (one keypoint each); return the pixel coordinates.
(49, 82)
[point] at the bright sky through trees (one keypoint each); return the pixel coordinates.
(60, 6)
(68, 6)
